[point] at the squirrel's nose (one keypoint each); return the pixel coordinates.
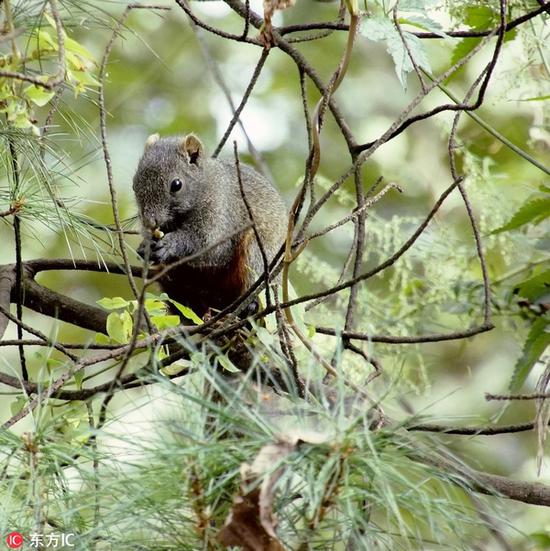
(149, 221)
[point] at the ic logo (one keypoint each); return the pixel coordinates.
(14, 540)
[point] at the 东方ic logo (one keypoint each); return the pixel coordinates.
(14, 540)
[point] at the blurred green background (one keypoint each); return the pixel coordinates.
(159, 81)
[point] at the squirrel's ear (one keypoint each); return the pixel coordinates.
(152, 139)
(192, 146)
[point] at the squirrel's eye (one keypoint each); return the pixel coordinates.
(175, 185)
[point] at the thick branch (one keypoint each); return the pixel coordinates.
(58, 306)
(533, 493)
(53, 304)
(7, 283)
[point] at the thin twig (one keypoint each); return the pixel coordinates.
(257, 235)
(531, 396)
(237, 112)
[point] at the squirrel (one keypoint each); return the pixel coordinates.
(192, 205)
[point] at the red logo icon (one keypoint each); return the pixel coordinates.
(14, 540)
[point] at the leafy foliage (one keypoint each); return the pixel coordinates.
(94, 466)
(534, 211)
(535, 346)
(177, 485)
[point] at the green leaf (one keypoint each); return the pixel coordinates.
(536, 98)
(22, 121)
(535, 287)
(380, 29)
(463, 48)
(100, 338)
(38, 95)
(186, 312)
(535, 345)
(45, 36)
(265, 337)
(76, 62)
(416, 5)
(77, 48)
(425, 23)
(17, 405)
(119, 326)
(165, 322)
(534, 211)
(80, 80)
(155, 307)
(176, 367)
(51, 21)
(480, 17)
(541, 539)
(227, 364)
(78, 378)
(113, 303)
(86, 78)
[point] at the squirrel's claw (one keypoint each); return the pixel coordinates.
(157, 251)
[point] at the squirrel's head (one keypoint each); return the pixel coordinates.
(168, 183)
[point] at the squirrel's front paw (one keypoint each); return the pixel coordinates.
(164, 251)
(169, 248)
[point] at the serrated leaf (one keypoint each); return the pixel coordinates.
(480, 17)
(186, 312)
(535, 287)
(425, 23)
(113, 303)
(38, 95)
(380, 29)
(463, 48)
(119, 326)
(534, 211)
(536, 343)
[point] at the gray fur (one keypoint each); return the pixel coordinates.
(209, 207)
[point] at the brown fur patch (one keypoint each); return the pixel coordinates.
(237, 274)
(205, 288)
